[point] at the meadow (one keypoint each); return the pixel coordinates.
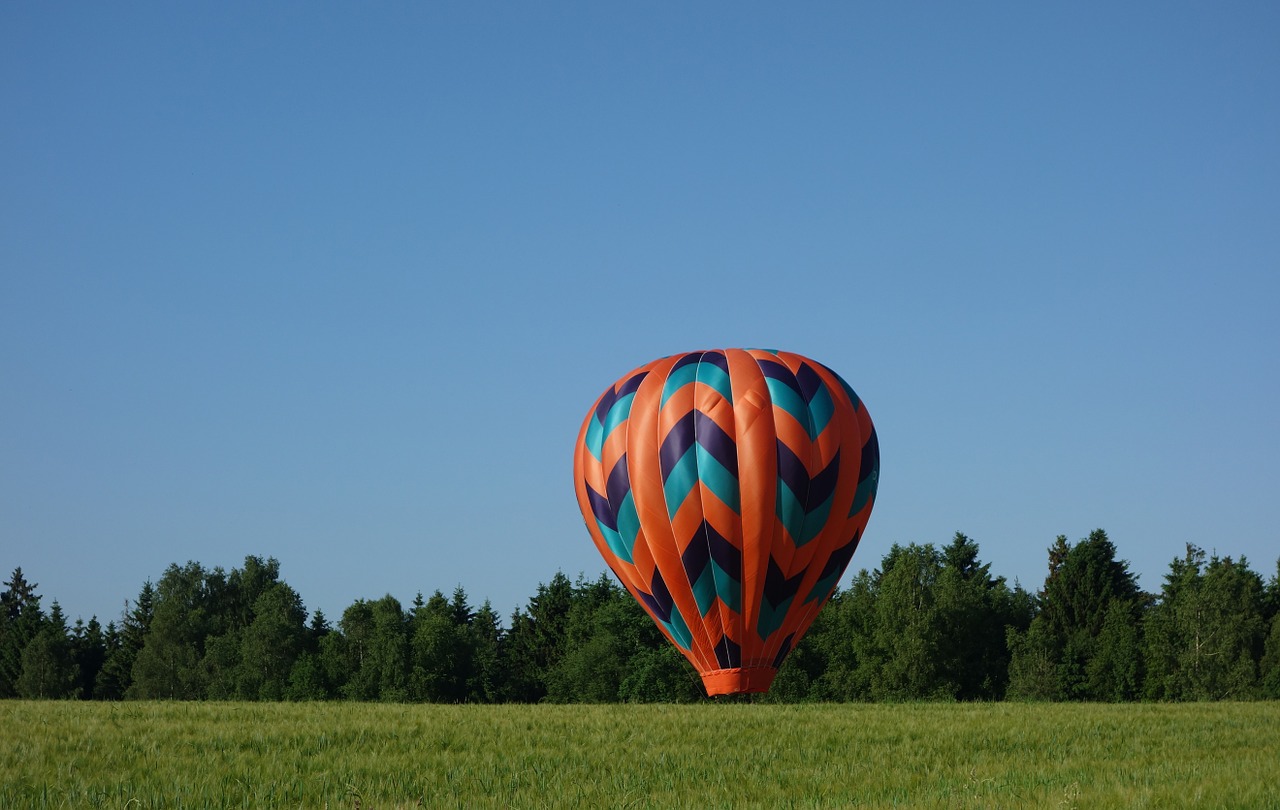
(351, 755)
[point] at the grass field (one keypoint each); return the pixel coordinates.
(148, 755)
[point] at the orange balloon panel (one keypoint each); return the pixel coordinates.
(728, 491)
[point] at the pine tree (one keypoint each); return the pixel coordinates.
(975, 610)
(1115, 671)
(317, 629)
(88, 653)
(522, 681)
(1207, 633)
(484, 680)
(437, 651)
(1064, 638)
(536, 641)
(549, 610)
(1269, 667)
(104, 686)
(116, 675)
(48, 671)
(20, 621)
(604, 630)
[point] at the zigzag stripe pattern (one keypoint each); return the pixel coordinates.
(699, 466)
(728, 491)
(714, 569)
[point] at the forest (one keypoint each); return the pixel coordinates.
(929, 623)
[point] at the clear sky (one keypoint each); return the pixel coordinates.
(336, 283)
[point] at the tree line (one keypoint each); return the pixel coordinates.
(930, 623)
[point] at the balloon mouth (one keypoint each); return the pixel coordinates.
(738, 680)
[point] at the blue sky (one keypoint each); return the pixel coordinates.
(337, 283)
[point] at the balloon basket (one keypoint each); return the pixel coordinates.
(738, 680)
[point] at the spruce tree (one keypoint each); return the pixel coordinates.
(485, 633)
(1054, 657)
(89, 653)
(1269, 667)
(975, 610)
(48, 671)
(20, 620)
(1207, 632)
(437, 650)
(116, 675)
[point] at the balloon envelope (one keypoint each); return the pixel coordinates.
(727, 490)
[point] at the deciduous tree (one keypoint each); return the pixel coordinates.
(168, 665)
(271, 644)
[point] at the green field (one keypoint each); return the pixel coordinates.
(68, 754)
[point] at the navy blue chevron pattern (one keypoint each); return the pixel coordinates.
(676, 444)
(714, 568)
(832, 571)
(804, 503)
(662, 607)
(779, 591)
(600, 509)
(868, 474)
(728, 653)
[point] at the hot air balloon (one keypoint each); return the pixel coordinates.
(727, 490)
